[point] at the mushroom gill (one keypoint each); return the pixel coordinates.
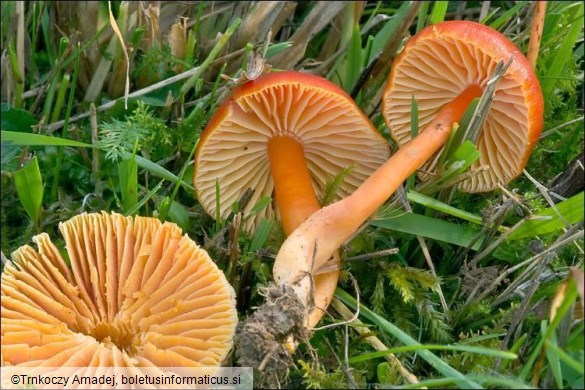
(138, 293)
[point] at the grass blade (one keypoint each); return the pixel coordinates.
(439, 11)
(454, 347)
(29, 187)
(260, 235)
(572, 211)
(457, 377)
(28, 139)
(128, 175)
(420, 225)
(563, 54)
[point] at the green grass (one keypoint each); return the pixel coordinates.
(135, 156)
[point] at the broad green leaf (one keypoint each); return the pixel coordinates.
(27, 139)
(571, 209)
(392, 330)
(16, 119)
(424, 226)
(383, 373)
(128, 175)
(29, 187)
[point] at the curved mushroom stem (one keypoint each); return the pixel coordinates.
(314, 242)
(296, 201)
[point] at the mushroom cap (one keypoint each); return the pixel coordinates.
(333, 131)
(439, 63)
(138, 293)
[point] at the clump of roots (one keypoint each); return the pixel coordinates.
(260, 339)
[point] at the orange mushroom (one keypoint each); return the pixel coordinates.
(450, 58)
(287, 133)
(449, 63)
(138, 294)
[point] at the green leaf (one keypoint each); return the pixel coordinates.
(383, 373)
(145, 199)
(488, 380)
(27, 139)
(444, 208)
(128, 174)
(16, 119)
(454, 347)
(566, 358)
(424, 226)
(277, 48)
(354, 59)
(571, 209)
(388, 30)
(178, 214)
(159, 171)
(29, 187)
(261, 205)
(554, 361)
(422, 16)
(392, 330)
(260, 235)
(332, 185)
(564, 53)
(439, 11)
(499, 22)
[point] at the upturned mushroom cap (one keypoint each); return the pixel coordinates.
(138, 293)
(332, 130)
(443, 60)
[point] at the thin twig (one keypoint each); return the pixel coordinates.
(373, 255)
(545, 194)
(373, 340)
(531, 261)
(95, 154)
(355, 315)
(344, 368)
(402, 196)
(555, 129)
(161, 84)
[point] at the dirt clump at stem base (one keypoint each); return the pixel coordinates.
(260, 339)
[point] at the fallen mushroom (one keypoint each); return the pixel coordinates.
(287, 133)
(443, 61)
(138, 294)
(461, 46)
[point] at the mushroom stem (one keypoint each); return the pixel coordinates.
(295, 195)
(326, 230)
(296, 201)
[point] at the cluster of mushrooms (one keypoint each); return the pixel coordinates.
(139, 293)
